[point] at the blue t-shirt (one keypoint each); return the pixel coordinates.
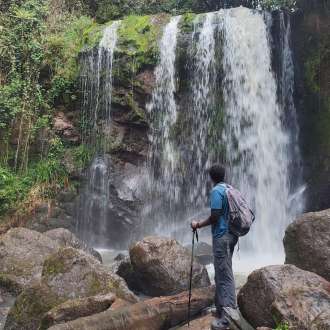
(219, 201)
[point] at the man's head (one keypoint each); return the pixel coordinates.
(217, 173)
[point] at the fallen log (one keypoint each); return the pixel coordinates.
(153, 314)
(76, 308)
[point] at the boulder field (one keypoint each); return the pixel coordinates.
(285, 293)
(297, 293)
(307, 243)
(23, 252)
(58, 282)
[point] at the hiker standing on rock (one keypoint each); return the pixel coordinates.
(226, 229)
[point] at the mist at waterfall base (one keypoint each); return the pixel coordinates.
(230, 105)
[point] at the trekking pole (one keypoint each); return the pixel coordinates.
(191, 270)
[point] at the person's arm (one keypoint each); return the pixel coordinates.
(212, 219)
(216, 212)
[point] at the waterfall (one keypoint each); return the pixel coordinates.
(203, 87)
(237, 114)
(96, 85)
(96, 81)
(229, 106)
(164, 185)
(257, 144)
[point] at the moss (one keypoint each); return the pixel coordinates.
(137, 114)
(9, 284)
(311, 73)
(92, 35)
(317, 66)
(138, 40)
(187, 22)
(94, 285)
(30, 306)
(53, 265)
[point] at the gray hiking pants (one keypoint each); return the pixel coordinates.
(223, 249)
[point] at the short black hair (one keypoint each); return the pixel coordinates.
(217, 173)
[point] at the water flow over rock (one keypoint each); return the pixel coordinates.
(164, 185)
(257, 144)
(93, 215)
(237, 113)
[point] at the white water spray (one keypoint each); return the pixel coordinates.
(203, 86)
(257, 144)
(163, 102)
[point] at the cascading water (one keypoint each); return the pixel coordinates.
(256, 143)
(96, 78)
(96, 84)
(164, 186)
(173, 159)
(231, 109)
(203, 87)
(237, 115)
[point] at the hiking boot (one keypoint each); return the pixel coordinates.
(220, 324)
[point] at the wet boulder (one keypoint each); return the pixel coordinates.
(163, 266)
(30, 306)
(122, 266)
(22, 253)
(65, 238)
(285, 293)
(307, 243)
(72, 273)
(203, 253)
(67, 274)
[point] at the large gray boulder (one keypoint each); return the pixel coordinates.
(22, 253)
(65, 238)
(307, 243)
(162, 266)
(123, 267)
(203, 252)
(67, 274)
(285, 293)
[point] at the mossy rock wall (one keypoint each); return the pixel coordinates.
(311, 45)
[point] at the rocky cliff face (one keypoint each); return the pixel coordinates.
(311, 44)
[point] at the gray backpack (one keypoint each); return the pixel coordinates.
(241, 216)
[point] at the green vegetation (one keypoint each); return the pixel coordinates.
(82, 155)
(109, 10)
(21, 94)
(138, 41)
(39, 49)
(282, 326)
(48, 174)
(61, 52)
(278, 4)
(187, 22)
(40, 45)
(316, 61)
